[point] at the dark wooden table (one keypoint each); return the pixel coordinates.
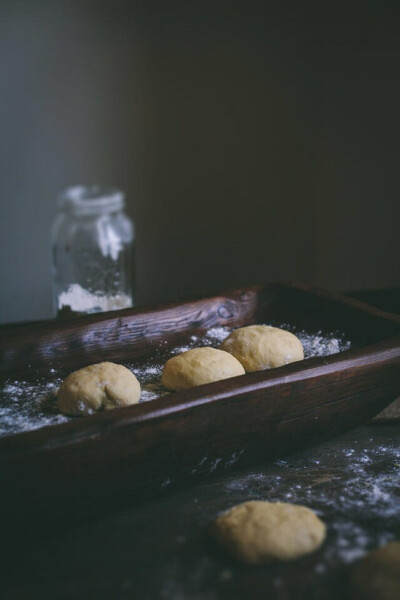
(161, 548)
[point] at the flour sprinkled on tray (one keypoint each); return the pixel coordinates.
(28, 405)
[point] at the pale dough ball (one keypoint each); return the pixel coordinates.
(198, 366)
(259, 532)
(97, 387)
(377, 575)
(260, 347)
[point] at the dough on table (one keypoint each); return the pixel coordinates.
(377, 575)
(198, 366)
(260, 347)
(259, 532)
(101, 386)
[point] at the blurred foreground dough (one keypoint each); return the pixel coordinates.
(377, 575)
(259, 532)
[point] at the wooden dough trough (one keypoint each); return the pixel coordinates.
(122, 455)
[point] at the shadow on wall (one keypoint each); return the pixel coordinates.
(254, 144)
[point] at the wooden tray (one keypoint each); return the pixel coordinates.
(119, 455)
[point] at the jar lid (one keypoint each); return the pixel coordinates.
(91, 199)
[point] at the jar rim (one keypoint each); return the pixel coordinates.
(91, 199)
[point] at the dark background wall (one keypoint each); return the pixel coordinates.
(255, 141)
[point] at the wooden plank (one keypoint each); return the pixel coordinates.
(128, 451)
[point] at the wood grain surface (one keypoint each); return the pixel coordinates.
(161, 548)
(122, 455)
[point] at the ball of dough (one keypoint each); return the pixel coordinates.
(259, 532)
(260, 347)
(198, 366)
(97, 387)
(377, 575)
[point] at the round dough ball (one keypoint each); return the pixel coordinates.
(259, 532)
(377, 575)
(97, 387)
(198, 366)
(260, 347)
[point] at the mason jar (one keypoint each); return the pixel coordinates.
(92, 238)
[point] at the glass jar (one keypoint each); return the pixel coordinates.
(92, 252)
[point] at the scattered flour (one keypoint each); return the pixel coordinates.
(25, 406)
(359, 501)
